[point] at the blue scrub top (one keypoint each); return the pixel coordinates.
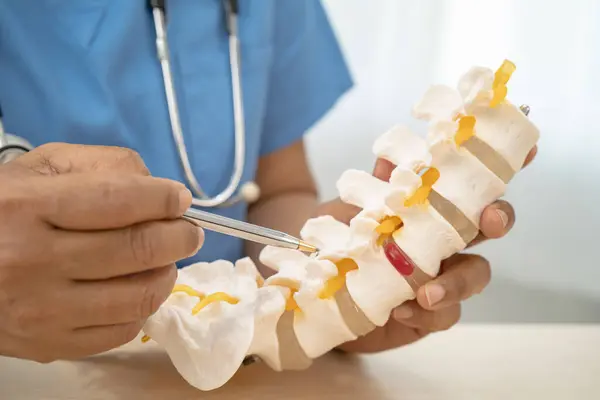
(86, 71)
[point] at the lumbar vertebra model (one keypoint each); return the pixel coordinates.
(219, 314)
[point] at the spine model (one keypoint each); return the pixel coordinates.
(221, 313)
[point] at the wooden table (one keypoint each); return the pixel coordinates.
(467, 362)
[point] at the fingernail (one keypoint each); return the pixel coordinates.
(185, 199)
(434, 293)
(402, 313)
(503, 217)
(200, 240)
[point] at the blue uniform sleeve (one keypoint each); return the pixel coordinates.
(308, 75)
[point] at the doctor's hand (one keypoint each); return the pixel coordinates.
(88, 242)
(437, 306)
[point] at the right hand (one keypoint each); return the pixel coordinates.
(88, 242)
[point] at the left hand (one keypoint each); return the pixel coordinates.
(437, 305)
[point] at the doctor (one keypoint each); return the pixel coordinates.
(90, 233)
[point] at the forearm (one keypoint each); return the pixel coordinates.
(286, 212)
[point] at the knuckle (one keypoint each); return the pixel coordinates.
(117, 336)
(148, 303)
(456, 315)
(483, 271)
(172, 202)
(192, 238)
(158, 293)
(461, 285)
(51, 159)
(50, 150)
(154, 290)
(52, 146)
(171, 278)
(448, 318)
(470, 274)
(131, 160)
(44, 358)
(480, 272)
(127, 332)
(486, 271)
(141, 244)
(128, 154)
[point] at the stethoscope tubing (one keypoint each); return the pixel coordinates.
(226, 197)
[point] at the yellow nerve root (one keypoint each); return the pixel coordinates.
(333, 285)
(387, 227)
(213, 298)
(187, 290)
(501, 78)
(180, 289)
(293, 286)
(204, 300)
(421, 195)
(291, 304)
(466, 129)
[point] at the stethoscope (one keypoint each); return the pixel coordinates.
(12, 146)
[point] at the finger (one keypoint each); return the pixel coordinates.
(392, 335)
(120, 300)
(497, 219)
(95, 340)
(111, 253)
(463, 276)
(383, 169)
(412, 315)
(95, 201)
(530, 156)
(62, 158)
(495, 222)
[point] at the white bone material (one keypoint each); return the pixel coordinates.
(508, 131)
(403, 148)
(427, 238)
(318, 323)
(207, 348)
(270, 306)
(313, 304)
(376, 286)
(464, 180)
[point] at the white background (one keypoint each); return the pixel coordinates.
(547, 268)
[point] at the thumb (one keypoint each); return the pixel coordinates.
(383, 169)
